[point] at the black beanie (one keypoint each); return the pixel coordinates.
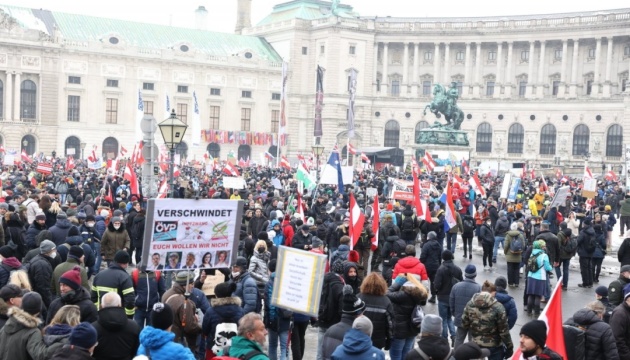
(351, 303)
(161, 316)
(447, 255)
(225, 289)
(537, 331)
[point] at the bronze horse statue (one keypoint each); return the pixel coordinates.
(445, 103)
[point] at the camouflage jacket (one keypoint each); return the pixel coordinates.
(486, 320)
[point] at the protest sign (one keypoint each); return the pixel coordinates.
(371, 192)
(514, 186)
(561, 197)
(505, 188)
(233, 182)
(590, 187)
(191, 234)
(299, 279)
(9, 160)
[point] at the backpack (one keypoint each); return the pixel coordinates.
(517, 244)
(223, 337)
(559, 217)
(469, 225)
(590, 244)
(398, 248)
(406, 228)
(570, 246)
(135, 274)
(532, 263)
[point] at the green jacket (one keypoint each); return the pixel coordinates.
(241, 346)
(67, 266)
(21, 339)
(624, 209)
(486, 320)
(509, 256)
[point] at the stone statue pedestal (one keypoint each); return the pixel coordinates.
(443, 144)
(442, 136)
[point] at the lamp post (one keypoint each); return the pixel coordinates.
(318, 150)
(173, 130)
(24, 144)
(82, 145)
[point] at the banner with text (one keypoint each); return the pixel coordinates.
(191, 234)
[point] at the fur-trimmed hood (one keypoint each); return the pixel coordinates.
(418, 295)
(20, 319)
(4, 308)
(225, 301)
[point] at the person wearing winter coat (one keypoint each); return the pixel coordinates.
(72, 293)
(258, 223)
(623, 254)
(10, 296)
(276, 231)
(513, 258)
(40, 272)
(258, 265)
(277, 320)
(149, 287)
(9, 263)
(502, 226)
(552, 244)
(20, 338)
(405, 295)
(586, 256)
(486, 320)
(378, 308)
(246, 287)
(157, 340)
(75, 259)
(410, 264)
(32, 207)
(302, 238)
(224, 308)
(329, 312)
(447, 275)
(431, 342)
(620, 325)
(136, 234)
(15, 234)
(461, 293)
(431, 257)
(564, 238)
(537, 281)
(114, 239)
(35, 227)
(356, 343)
(92, 238)
(391, 251)
(506, 300)
(352, 308)
(117, 335)
(342, 251)
(60, 229)
(115, 277)
(486, 235)
(616, 287)
(175, 297)
(599, 338)
(600, 251)
(57, 333)
(467, 234)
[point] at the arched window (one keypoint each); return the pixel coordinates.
(273, 149)
(484, 138)
(581, 138)
(182, 150)
(419, 126)
(614, 141)
(29, 144)
(392, 133)
(244, 151)
(1, 99)
(515, 139)
(28, 100)
(214, 150)
(548, 140)
(72, 143)
(110, 148)
(344, 153)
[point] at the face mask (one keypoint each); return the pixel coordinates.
(116, 227)
(261, 250)
(53, 255)
(90, 224)
(235, 274)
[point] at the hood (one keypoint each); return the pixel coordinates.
(12, 262)
(589, 230)
(418, 295)
(343, 248)
(74, 240)
(20, 319)
(407, 213)
(392, 238)
(15, 222)
(347, 265)
(483, 300)
(98, 218)
(57, 333)
(537, 251)
(513, 233)
(408, 262)
(63, 224)
(585, 317)
(503, 297)
(152, 338)
(356, 342)
(76, 296)
(110, 226)
(218, 302)
(112, 318)
(435, 347)
(274, 223)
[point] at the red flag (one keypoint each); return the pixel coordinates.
(351, 149)
(611, 176)
(229, 169)
(284, 162)
(33, 181)
(428, 161)
(427, 211)
(465, 167)
(544, 184)
(130, 175)
(476, 183)
(123, 151)
(558, 173)
(365, 158)
(552, 316)
(533, 174)
(523, 174)
(44, 168)
(25, 157)
(300, 207)
(416, 194)
(176, 172)
(69, 163)
(242, 163)
(587, 173)
(356, 222)
(375, 223)
(93, 158)
(163, 191)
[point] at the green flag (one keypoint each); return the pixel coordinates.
(306, 178)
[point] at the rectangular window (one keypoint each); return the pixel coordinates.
(74, 80)
(182, 89)
(378, 84)
(322, 49)
(148, 86)
(246, 94)
(112, 83)
(489, 88)
(352, 50)
(395, 87)
(74, 107)
(624, 84)
(554, 87)
(492, 55)
(275, 120)
(525, 55)
(460, 86)
(459, 56)
(304, 50)
(215, 114)
(558, 54)
(182, 112)
(148, 107)
(275, 96)
(626, 50)
(591, 53)
(589, 87)
(215, 91)
(246, 118)
(111, 111)
(426, 87)
(522, 86)
(428, 56)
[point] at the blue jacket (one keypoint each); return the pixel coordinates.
(461, 293)
(161, 345)
(148, 289)
(543, 264)
(509, 304)
(223, 310)
(279, 238)
(247, 290)
(357, 346)
(60, 231)
(599, 250)
(273, 315)
(100, 226)
(199, 298)
(341, 253)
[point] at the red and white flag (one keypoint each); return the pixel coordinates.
(70, 163)
(176, 171)
(365, 158)
(123, 151)
(92, 158)
(465, 167)
(587, 173)
(44, 168)
(428, 161)
(611, 176)
(163, 191)
(427, 210)
(130, 175)
(416, 194)
(558, 173)
(458, 180)
(533, 174)
(552, 316)
(375, 223)
(449, 215)
(356, 222)
(112, 165)
(2, 149)
(414, 165)
(242, 163)
(25, 157)
(544, 184)
(229, 169)
(300, 206)
(136, 156)
(351, 149)
(284, 162)
(476, 184)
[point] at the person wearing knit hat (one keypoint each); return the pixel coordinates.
(351, 304)
(360, 333)
(162, 316)
(470, 351)
(470, 272)
(601, 294)
(431, 325)
(70, 280)
(352, 308)
(460, 295)
(84, 336)
(6, 252)
(73, 290)
(533, 341)
(431, 343)
(446, 276)
(32, 303)
(615, 288)
(12, 296)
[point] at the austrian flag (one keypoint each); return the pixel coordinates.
(351, 149)
(356, 222)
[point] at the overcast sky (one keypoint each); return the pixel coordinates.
(222, 13)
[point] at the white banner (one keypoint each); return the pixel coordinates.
(505, 188)
(230, 182)
(329, 175)
(561, 197)
(191, 234)
(9, 160)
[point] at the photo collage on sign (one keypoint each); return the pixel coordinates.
(190, 260)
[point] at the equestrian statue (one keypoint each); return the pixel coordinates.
(445, 103)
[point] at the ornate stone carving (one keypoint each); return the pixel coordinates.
(3, 59)
(113, 70)
(31, 62)
(145, 73)
(248, 82)
(75, 67)
(187, 77)
(213, 79)
(396, 56)
(275, 85)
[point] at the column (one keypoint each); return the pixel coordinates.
(467, 80)
(508, 71)
(375, 77)
(436, 64)
(596, 75)
(574, 68)
(540, 85)
(530, 71)
(8, 115)
(405, 79)
(414, 77)
(609, 49)
(563, 70)
(385, 78)
(447, 52)
(499, 79)
(16, 96)
(476, 92)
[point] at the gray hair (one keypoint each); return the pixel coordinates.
(544, 226)
(111, 299)
(597, 307)
(247, 324)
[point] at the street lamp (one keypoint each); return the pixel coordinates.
(82, 145)
(24, 144)
(318, 150)
(173, 130)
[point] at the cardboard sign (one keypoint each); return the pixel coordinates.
(211, 282)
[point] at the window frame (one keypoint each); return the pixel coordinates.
(483, 142)
(246, 119)
(182, 112)
(490, 87)
(275, 120)
(516, 138)
(28, 100)
(182, 89)
(215, 117)
(614, 141)
(149, 86)
(74, 108)
(215, 91)
(246, 94)
(111, 111)
(548, 136)
(148, 107)
(581, 140)
(76, 80)
(113, 83)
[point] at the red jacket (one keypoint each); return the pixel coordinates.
(287, 231)
(411, 265)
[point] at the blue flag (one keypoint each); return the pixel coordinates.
(333, 161)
